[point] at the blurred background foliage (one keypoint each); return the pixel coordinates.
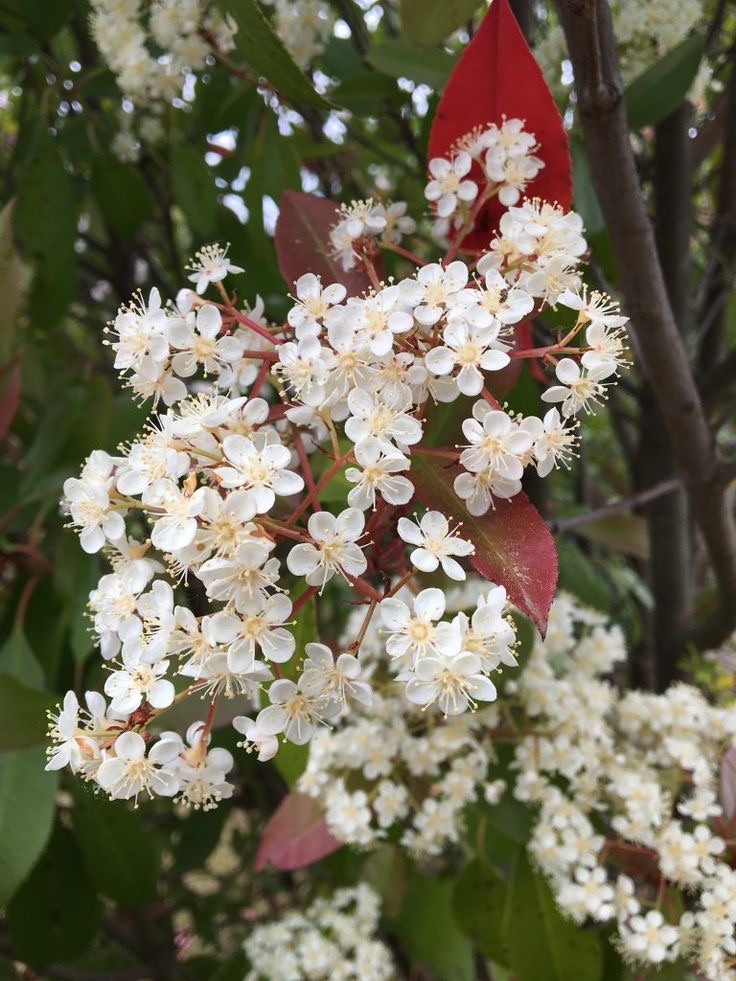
(92, 211)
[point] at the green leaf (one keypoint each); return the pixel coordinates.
(265, 53)
(22, 714)
(27, 806)
(18, 660)
(193, 186)
(398, 59)
(121, 194)
(478, 902)
(585, 199)
(659, 90)
(46, 209)
(55, 913)
(537, 934)
(427, 22)
(366, 94)
(427, 931)
(120, 856)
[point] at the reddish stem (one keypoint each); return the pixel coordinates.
(260, 379)
(325, 479)
(399, 250)
(303, 598)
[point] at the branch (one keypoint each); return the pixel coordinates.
(655, 336)
(615, 507)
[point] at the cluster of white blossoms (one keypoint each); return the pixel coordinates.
(628, 824)
(281, 470)
(151, 47)
(644, 34)
(490, 161)
(361, 222)
(335, 937)
(304, 26)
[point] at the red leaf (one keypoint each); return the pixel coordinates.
(9, 395)
(295, 835)
(303, 242)
(513, 546)
(496, 76)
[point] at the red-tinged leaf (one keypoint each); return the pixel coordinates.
(496, 76)
(303, 242)
(9, 395)
(513, 546)
(296, 835)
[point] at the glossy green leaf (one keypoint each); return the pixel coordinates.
(258, 43)
(121, 195)
(55, 913)
(46, 210)
(23, 710)
(585, 200)
(119, 854)
(18, 660)
(27, 807)
(193, 185)
(427, 931)
(659, 90)
(478, 902)
(398, 59)
(428, 22)
(537, 934)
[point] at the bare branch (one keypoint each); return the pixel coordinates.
(616, 507)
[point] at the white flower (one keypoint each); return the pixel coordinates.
(244, 577)
(433, 289)
(336, 681)
(211, 265)
(334, 547)
(436, 544)
(293, 711)
(177, 527)
(314, 302)
(496, 443)
(648, 938)
(305, 367)
(389, 423)
(265, 745)
(377, 318)
(141, 333)
(378, 474)
(453, 681)
(416, 633)
(91, 510)
(487, 632)
(554, 438)
(263, 472)
(129, 771)
(579, 390)
(470, 348)
(244, 633)
(447, 186)
(139, 680)
(197, 343)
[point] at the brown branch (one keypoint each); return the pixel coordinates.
(655, 335)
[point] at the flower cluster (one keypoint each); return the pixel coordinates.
(363, 222)
(150, 53)
(334, 937)
(282, 471)
(644, 35)
(304, 26)
(497, 160)
(629, 827)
